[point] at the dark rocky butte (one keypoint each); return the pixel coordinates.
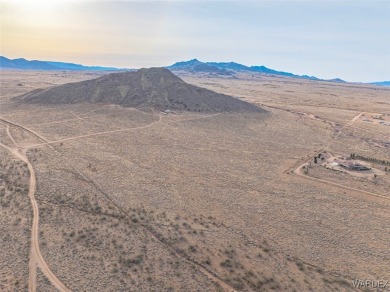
(154, 87)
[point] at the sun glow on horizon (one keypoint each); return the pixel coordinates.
(327, 39)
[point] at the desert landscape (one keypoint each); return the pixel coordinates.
(142, 181)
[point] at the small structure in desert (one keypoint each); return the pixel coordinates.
(352, 165)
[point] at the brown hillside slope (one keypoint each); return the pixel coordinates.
(154, 87)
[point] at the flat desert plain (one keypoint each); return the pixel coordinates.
(99, 197)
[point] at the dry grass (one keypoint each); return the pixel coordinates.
(15, 223)
(169, 198)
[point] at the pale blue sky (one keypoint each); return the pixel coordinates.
(327, 39)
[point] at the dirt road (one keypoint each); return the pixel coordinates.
(36, 258)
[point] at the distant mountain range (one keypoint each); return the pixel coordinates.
(228, 69)
(381, 83)
(24, 64)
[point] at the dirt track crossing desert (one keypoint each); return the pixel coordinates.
(36, 258)
(146, 198)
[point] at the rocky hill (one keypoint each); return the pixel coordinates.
(155, 87)
(229, 68)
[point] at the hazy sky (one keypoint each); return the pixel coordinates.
(329, 38)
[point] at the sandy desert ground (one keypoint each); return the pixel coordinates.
(137, 200)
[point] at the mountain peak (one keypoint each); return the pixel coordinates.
(229, 69)
(186, 64)
(195, 65)
(148, 87)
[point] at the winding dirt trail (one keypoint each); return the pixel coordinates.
(36, 258)
(10, 136)
(8, 122)
(45, 142)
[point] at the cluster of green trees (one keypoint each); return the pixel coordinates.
(318, 157)
(371, 159)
